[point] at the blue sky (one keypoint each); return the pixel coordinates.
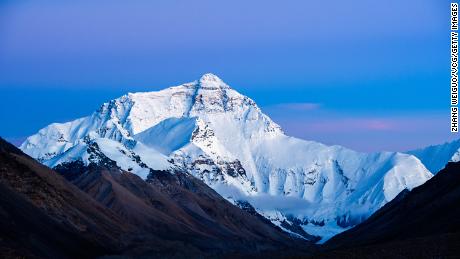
(367, 75)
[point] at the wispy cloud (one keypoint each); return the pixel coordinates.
(353, 124)
(392, 132)
(306, 106)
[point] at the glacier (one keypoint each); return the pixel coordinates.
(222, 137)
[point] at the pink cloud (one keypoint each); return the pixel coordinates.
(371, 133)
(379, 124)
(298, 106)
(353, 124)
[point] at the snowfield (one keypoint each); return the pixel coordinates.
(222, 137)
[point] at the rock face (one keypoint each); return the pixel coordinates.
(103, 210)
(422, 223)
(223, 138)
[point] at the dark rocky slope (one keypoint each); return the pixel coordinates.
(43, 215)
(103, 210)
(422, 223)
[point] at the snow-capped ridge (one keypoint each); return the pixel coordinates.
(435, 157)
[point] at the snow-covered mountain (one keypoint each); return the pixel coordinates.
(223, 138)
(436, 157)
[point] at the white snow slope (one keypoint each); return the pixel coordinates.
(223, 138)
(436, 157)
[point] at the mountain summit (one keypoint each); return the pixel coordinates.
(212, 82)
(222, 137)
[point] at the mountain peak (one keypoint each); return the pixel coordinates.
(212, 82)
(220, 136)
(210, 77)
